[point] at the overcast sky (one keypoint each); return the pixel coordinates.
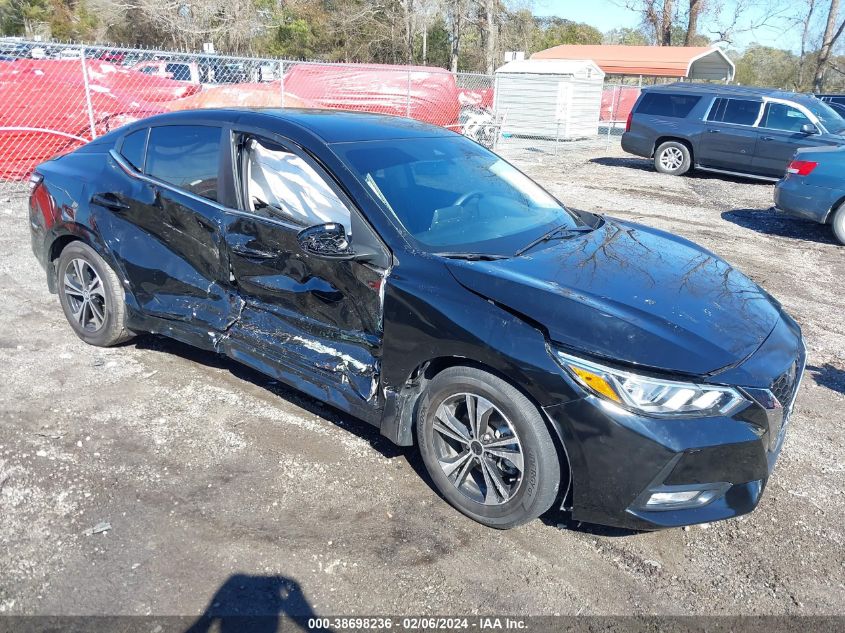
(609, 14)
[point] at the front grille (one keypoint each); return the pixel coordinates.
(785, 384)
(785, 389)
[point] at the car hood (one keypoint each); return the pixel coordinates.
(632, 294)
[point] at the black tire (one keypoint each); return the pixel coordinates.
(838, 224)
(673, 158)
(107, 302)
(533, 490)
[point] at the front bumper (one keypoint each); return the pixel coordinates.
(620, 459)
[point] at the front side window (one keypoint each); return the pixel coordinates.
(133, 148)
(186, 156)
(454, 196)
(280, 185)
(780, 116)
(668, 105)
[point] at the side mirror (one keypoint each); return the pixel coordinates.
(809, 128)
(326, 241)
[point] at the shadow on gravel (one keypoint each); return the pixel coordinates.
(828, 376)
(563, 521)
(633, 163)
(771, 222)
(256, 604)
(360, 428)
(646, 164)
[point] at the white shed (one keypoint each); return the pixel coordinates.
(555, 99)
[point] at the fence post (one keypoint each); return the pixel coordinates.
(282, 81)
(613, 105)
(88, 95)
(497, 124)
(408, 97)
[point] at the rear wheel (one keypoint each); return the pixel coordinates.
(487, 448)
(91, 296)
(672, 157)
(838, 224)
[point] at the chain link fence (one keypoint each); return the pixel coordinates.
(55, 97)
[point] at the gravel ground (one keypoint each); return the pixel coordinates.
(220, 486)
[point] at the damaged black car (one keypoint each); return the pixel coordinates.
(539, 357)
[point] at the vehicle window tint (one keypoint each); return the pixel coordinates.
(670, 105)
(779, 116)
(280, 185)
(180, 72)
(133, 148)
(187, 156)
(739, 111)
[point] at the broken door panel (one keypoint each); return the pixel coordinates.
(171, 249)
(319, 319)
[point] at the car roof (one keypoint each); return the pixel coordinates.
(728, 90)
(331, 126)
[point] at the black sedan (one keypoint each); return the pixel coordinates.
(536, 355)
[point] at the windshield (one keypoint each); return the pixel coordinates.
(454, 196)
(829, 118)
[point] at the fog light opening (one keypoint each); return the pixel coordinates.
(676, 499)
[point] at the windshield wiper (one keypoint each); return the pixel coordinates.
(554, 233)
(473, 257)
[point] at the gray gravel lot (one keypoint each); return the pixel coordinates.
(209, 473)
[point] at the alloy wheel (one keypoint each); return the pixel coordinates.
(671, 158)
(478, 449)
(85, 295)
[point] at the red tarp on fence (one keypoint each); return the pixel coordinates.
(423, 93)
(44, 110)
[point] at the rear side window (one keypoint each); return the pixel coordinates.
(736, 111)
(187, 156)
(779, 116)
(133, 148)
(663, 104)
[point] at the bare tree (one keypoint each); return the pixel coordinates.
(726, 21)
(694, 10)
(657, 17)
(806, 20)
(489, 34)
(666, 24)
(457, 16)
(831, 34)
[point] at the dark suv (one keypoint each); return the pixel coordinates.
(727, 129)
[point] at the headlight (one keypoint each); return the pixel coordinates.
(652, 396)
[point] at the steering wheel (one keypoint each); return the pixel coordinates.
(467, 196)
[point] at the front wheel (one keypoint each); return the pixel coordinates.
(487, 448)
(673, 158)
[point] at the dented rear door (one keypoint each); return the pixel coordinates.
(165, 226)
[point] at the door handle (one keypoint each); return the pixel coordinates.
(711, 131)
(767, 138)
(109, 201)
